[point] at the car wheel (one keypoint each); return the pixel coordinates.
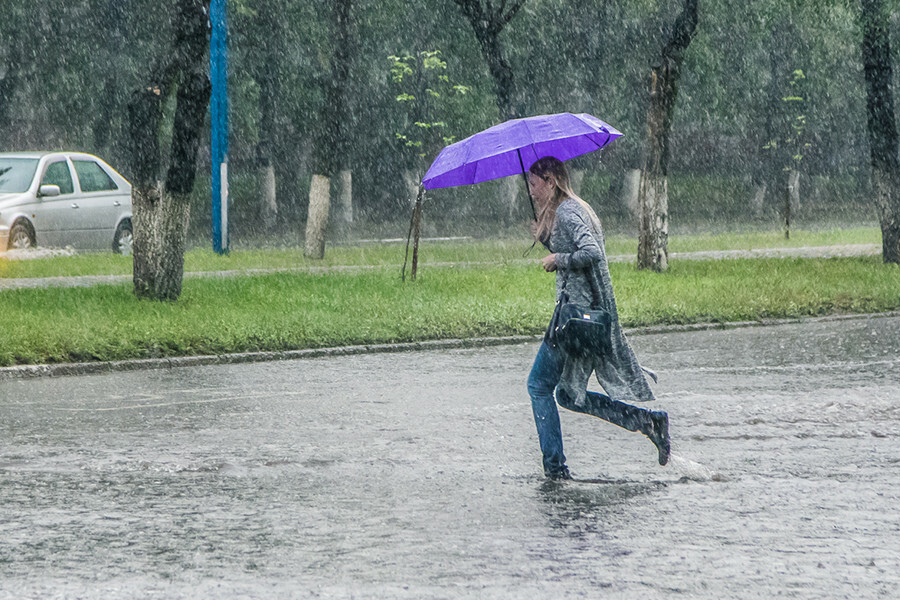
(21, 236)
(124, 239)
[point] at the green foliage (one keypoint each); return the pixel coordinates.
(566, 56)
(793, 139)
(425, 93)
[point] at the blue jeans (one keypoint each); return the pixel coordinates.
(544, 377)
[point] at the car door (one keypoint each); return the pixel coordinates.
(55, 216)
(100, 202)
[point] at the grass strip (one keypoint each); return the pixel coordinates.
(503, 250)
(290, 311)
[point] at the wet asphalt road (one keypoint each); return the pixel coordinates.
(418, 476)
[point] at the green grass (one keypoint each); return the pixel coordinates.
(286, 311)
(488, 251)
(774, 239)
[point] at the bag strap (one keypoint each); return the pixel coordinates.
(595, 288)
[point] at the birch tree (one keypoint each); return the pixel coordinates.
(653, 195)
(332, 145)
(161, 205)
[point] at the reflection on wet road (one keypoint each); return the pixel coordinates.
(418, 476)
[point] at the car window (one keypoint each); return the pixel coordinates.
(16, 174)
(92, 177)
(58, 174)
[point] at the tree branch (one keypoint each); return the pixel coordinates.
(485, 19)
(471, 9)
(487, 28)
(684, 29)
(512, 12)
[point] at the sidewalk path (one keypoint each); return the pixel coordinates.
(801, 252)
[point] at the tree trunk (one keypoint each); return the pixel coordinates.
(269, 208)
(317, 220)
(332, 145)
(794, 190)
(144, 115)
(160, 235)
(165, 210)
(653, 224)
(411, 179)
(345, 196)
(112, 22)
(417, 231)
(144, 200)
(509, 197)
(887, 198)
(487, 23)
(270, 16)
(881, 124)
(161, 211)
(774, 154)
(653, 191)
(654, 200)
(631, 188)
(786, 204)
(106, 110)
(501, 72)
(758, 197)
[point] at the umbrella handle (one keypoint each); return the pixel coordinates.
(527, 188)
(528, 193)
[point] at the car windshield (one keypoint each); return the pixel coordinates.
(16, 174)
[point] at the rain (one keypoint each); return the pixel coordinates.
(574, 57)
(415, 478)
(413, 471)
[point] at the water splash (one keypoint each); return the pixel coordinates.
(692, 470)
(34, 253)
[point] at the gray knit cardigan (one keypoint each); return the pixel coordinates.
(577, 240)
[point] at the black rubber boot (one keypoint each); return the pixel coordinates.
(561, 475)
(658, 432)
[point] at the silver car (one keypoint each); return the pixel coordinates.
(63, 199)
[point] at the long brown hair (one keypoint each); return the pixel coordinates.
(545, 168)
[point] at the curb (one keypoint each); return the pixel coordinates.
(96, 368)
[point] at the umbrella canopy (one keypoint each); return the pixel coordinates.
(511, 148)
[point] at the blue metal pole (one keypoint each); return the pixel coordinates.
(218, 57)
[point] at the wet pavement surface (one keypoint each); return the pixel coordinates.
(418, 476)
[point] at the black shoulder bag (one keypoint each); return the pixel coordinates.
(577, 330)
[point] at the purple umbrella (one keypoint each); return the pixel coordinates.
(511, 148)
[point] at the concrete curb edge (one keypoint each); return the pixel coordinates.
(95, 368)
